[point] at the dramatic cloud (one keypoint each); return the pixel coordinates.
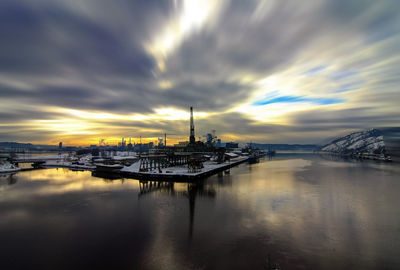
(267, 71)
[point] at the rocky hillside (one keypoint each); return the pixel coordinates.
(367, 141)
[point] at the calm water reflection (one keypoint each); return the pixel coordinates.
(300, 211)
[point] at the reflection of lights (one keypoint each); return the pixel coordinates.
(60, 181)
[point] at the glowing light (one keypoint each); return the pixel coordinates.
(81, 127)
(193, 16)
(168, 114)
(165, 84)
(163, 113)
(64, 126)
(276, 97)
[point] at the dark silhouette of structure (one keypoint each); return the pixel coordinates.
(193, 190)
(192, 139)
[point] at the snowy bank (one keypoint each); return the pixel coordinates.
(7, 167)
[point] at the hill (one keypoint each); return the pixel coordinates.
(371, 141)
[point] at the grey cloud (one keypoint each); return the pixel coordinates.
(363, 117)
(237, 43)
(17, 115)
(47, 40)
(90, 55)
(25, 135)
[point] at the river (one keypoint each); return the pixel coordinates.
(296, 211)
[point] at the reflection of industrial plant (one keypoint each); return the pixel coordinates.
(191, 191)
(8, 179)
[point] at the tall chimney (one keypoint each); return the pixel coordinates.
(192, 139)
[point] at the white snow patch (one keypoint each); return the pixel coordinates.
(7, 167)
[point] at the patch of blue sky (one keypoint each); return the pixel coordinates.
(315, 70)
(295, 99)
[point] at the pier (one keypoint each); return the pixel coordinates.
(181, 174)
(152, 162)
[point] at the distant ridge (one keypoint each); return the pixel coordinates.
(372, 141)
(16, 145)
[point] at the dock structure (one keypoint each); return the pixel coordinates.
(181, 173)
(152, 162)
(146, 187)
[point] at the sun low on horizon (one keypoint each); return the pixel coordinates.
(268, 71)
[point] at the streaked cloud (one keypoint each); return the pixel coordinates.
(189, 17)
(271, 71)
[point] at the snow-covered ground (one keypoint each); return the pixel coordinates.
(368, 141)
(7, 167)
(133, 168)
(67, 164)
(83, 162)
(183, 169)
(123, 155)
(121, 158)
(85, 158)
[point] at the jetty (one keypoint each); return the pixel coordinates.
(180, 173)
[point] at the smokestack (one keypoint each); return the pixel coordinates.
(165, 139)
(192, 139)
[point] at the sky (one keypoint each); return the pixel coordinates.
(273, 71)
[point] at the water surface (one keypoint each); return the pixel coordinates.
(296, 211)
